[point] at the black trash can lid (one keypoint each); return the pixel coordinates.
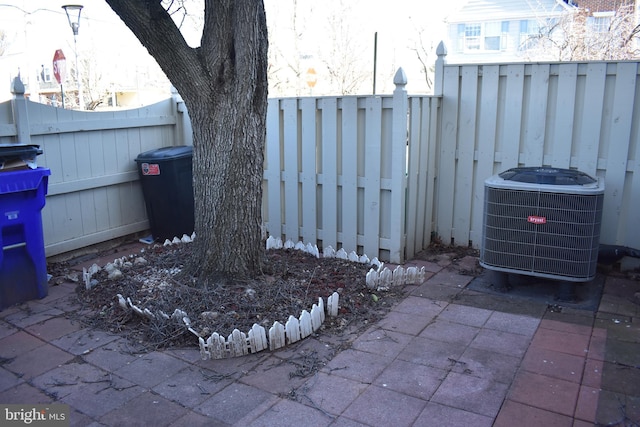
(547, 175)
(165, 153)
(18, 152)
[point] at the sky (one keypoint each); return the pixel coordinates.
(396, 23)
(45, 24)
(40, 27)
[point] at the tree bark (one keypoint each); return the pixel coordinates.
(224, 85)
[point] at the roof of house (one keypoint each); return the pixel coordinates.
(482, 10)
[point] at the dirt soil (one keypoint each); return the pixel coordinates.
(292, 281)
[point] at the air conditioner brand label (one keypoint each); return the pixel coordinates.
(534, 219)
(150, 169)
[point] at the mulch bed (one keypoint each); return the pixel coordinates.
(292, 281)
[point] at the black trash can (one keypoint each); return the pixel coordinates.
(166, 177)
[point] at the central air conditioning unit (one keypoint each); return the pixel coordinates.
(542, 222)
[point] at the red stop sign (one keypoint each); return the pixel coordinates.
(59, 66)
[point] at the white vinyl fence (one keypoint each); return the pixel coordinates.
(579, 115)
(94, 192)
(335, 171)
(383, 175)
(378, 175)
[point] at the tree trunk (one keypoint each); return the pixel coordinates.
(224, 85)
(227, 182)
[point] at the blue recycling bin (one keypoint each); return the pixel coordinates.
(23, 265)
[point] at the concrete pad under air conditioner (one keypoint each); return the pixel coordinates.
(584, 295)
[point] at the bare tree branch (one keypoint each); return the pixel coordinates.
(578, 36)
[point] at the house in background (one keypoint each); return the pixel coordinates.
(601, 13)
(130, 86)
(516, 30)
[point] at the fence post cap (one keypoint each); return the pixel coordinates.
(441, 50)
(400, 79)
(17, 87)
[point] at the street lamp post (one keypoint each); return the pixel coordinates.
(73, 12)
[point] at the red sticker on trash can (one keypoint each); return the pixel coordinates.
(150, 169)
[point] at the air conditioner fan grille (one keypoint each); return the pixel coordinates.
(542, 233)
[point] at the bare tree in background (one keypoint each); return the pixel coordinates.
(579, 36)
(4, 42)
(286, 69)
(424, 49)
(95, 86)
(343, 55)
(321, 36)
(223, 82)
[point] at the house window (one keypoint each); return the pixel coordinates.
(44, 75)
(488, 36)
(600, 22)
(495, 35)
(472, 36)
(530, 32)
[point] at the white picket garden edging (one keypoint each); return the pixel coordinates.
(238, 343)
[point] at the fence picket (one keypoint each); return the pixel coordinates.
(349, 172)
(330, 158)
(487, 122)
(590, 123)
(316, 317)
(237, 343)
(447, 154)
(257, 338)
(273, 191)
(306, 327)
(620, 125)
(465, 153)
(511, 129)
(276, 336)
(415, 200)
(290, 172)
(332, 304)
(373, 144)
(535, 120)
(563, 117)
(217, 347)
(321, 309)
(308, 173)
(432, 172)
(292, 330)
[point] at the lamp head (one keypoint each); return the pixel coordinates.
(73, 12)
